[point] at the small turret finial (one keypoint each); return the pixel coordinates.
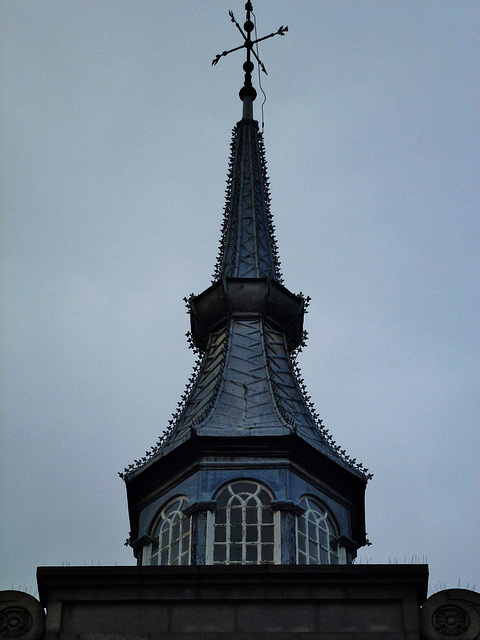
(247, 92)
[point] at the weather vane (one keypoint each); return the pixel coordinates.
(247, 89)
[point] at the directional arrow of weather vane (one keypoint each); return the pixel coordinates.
(248, 42)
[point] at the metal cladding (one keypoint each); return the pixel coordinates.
(247, 298)
(248, 248)
(246, 327)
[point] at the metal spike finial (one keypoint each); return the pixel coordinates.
(247, 92)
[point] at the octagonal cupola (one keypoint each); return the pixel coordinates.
(246, 473)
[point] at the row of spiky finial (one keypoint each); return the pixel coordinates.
(217, 273)
(164, 437)
(293, 357)
(326, 435)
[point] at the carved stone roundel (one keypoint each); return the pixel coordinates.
(21, 616)
(15, 622)
(451, 613)
(451, 620)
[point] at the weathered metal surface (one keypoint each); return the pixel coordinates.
(247, 387)
(247, 325)
(247, 297)
(248, 248)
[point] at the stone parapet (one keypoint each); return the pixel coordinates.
(235, 603)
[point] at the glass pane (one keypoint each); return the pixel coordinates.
(267, 553)
(164, 557)
(313, 550)
(154, 560)
(267, 516)
(244, 487)
(220, 534)
(154, 546)
(235, 553)
(251, 553)
(185, 525)
(301, 542)
(252, 534)
(236, 533)
(176, 530)
(323, 557)
(264, 497)
(184, 559)
(322, 537)
(236, 516)
(251, 515)
(165, 539)
(301, 524)
(221, 516)
(333, 559)
(302, 559)
(223, 499)
(185, 544)
(219, 553)
(312, 531)
(174, 553)
(267, 534)
(333, 545)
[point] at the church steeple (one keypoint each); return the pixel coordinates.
(246, 469)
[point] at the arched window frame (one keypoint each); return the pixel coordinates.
(171, 536)
(239, 543)
(316, 535)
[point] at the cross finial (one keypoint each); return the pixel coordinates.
(247, 92)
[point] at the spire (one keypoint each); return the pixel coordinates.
(247, 247)
(245, 412)
(247, 326)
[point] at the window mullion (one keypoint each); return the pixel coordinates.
(228, 521)
(259, 533)
(318, 525)
(244, 532)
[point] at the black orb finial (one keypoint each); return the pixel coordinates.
(248, 91)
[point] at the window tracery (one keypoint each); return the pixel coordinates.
(316, 535)
(171, 536)
(244, 526)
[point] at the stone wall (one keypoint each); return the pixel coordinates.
(357, 602)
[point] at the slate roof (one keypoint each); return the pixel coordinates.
(246, 382)
(248, 248)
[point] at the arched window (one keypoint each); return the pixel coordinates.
(170, 536)
(244, 528)
(316, 535)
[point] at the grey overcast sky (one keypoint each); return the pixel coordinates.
(115, 137)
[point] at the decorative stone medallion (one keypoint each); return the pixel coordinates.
(451, 613)
(15, 621)
(21, 616)
(451, 620)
